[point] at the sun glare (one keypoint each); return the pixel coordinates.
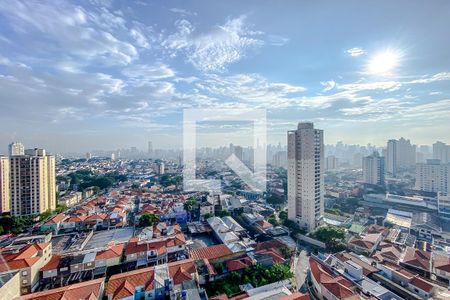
(383, 63)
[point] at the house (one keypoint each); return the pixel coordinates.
(73, 223)
(329, 285)
(152, 282)
(388, 252)
(216, 253)
(109, 257)
(412, 282)
(441, 266)
(92, 289)
(96, 221)
(365, 244)
(417, 260)
(238, 264)
(54, 224)
(28, 260)
(142, 253)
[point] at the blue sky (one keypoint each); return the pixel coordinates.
(109, 74)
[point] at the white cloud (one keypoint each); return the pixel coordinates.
(429, 79)
(71, 30)
(328, 85)
(367, 86)
(355, 51)
(213, 50)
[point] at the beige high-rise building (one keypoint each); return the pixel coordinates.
(305, 175)
(33, 183)
(4, 184)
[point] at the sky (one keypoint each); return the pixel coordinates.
(81, 75)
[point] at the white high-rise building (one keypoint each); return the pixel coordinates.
(16, 148)
(373, 169)
(33, 183)
(331, 163)
(441, 151)
(4, 184)
(400, 154)
(433, 176)
(305, 175)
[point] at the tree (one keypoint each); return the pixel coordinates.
(272, 220)
(190, 205)
(283, 215)
(207, 216)
(223, 213)
(147, 220)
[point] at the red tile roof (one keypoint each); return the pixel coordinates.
(367, 268)
(181, 270)
(239, 263)
(52, 264)
(417, 258)
(441, 262)
(211, 252)
(422, 284)
(24, 258)
(123, 285)
(111, 252)
(57, 219)
(84, 290)
(337, 285)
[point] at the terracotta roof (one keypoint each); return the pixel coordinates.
(123, 285)
(441, 262)
(239, 264)
(52, 264)
(336, 285)
(422, 284)
(57, 219)
(24, 258)
(269, 244)
(211, 252)
(137, 247)
(181, 270)
(84, 290)
(417, 258)
(111, 252)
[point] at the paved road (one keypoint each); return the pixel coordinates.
(301, 268)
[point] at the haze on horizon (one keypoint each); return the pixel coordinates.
(82, 75)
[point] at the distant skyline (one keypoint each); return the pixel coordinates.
(80, 75)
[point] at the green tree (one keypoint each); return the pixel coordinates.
(147, 220)
(223, 213)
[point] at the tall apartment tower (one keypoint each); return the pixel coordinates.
(373, 169)
(305, 175)
(400, 154)
(33, 183)
(433, 176)
(4, 184)
(16, 148)
(441, 151)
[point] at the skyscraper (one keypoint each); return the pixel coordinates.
(441, 151)
(4, 184)
(433, 176)
(305, 175)
(150, 148)
(33, 184)
(16, 148)
(400, 154)
(373, 169)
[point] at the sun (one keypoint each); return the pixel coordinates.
(384, 63)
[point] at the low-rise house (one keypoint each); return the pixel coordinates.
(388, 252)
(28, 260)
(109, 257)
(54, 224)
(366, 244)
(417, 260)
(92, 289)
(441, 267)
(96, 221)
(156, 282)
(412, 282)
(329, 285)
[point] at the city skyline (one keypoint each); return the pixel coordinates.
(101, 74)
